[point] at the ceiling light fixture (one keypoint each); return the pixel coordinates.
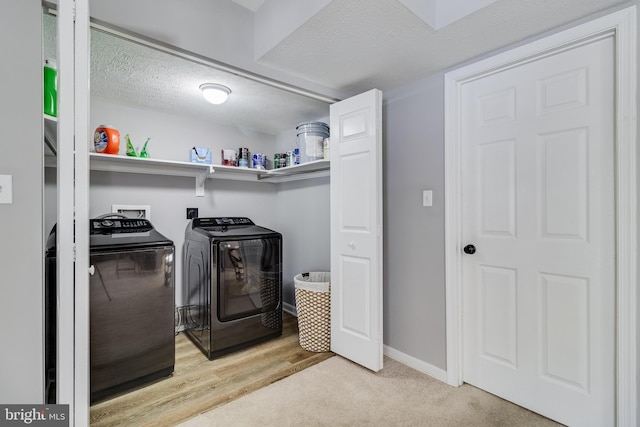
(215, 93)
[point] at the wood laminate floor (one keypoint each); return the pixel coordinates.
(198, 384)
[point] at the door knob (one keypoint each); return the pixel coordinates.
(469, 249)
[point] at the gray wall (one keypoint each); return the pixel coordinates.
(303, 215)
(414, 311)
(414, 292)
(302, 212)
(21, 234)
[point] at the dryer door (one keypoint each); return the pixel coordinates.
(248, 277)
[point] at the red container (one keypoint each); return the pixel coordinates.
(106, 140)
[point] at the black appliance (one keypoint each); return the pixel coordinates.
(233, 284)
(132, 320)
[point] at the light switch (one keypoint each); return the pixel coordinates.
(427, 198)
(6, 189)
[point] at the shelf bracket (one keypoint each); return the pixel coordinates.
(201, 178)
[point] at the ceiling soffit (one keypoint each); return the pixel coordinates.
(355, 45)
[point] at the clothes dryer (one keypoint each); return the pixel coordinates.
(232, 284)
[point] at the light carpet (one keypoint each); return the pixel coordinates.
(337, 392)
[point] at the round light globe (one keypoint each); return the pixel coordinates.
(215, 93)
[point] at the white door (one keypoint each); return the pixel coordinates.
(538, 206)
(356, 229)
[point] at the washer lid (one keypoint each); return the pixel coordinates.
(116, 236)
(128, 240)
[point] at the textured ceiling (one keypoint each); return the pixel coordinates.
(355, 45)
(132, 74)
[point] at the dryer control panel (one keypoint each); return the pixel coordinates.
(221, 221)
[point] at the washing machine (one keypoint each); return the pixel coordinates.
(131, 308)
(232, 284)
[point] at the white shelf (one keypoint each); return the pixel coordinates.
(314, 169)
(117, 163)
(314, 166)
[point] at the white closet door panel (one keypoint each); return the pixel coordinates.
(356, 229)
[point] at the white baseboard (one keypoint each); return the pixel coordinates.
(418, 365)
(290, 308)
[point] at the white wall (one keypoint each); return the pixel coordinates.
(21, 233)
(299, 210)
(173, 136)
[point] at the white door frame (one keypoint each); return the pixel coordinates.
(73, 43)
(621, 26)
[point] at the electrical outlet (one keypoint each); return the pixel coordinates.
(192, 213)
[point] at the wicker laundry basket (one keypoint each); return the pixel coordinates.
(313, 304)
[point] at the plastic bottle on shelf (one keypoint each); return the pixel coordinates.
(50, 87)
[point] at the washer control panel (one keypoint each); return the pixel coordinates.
(119, 225)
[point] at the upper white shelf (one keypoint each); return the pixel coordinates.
(116, 163)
